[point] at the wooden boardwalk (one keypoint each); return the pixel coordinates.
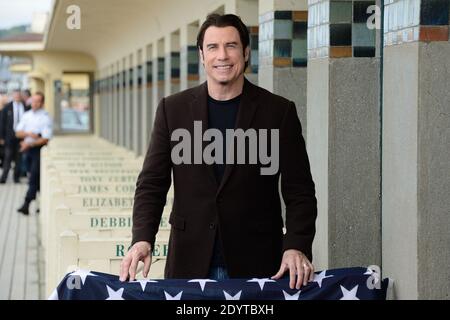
(20, 252)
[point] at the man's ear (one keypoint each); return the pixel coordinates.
(200, 54)
(247, 54)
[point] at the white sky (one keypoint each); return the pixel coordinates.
(18, 12)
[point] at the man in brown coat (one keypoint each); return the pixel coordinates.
(226, 219)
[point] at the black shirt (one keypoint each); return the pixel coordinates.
(221, 115)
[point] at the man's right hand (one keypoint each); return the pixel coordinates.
(140, 251)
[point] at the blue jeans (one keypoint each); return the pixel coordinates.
(218, 273)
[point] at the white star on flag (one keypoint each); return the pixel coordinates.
(320, 277)
(114, 295)
(143, 283)
(54, 295)
(261, 282)
(374, 275)
(169, 297)
(369, 271)
(82, 274)
(295, 296)
(237, 296)
(349, 294)
(202, 282)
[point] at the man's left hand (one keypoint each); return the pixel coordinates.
(24, 146)
(298, 264)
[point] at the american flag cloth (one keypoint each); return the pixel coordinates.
(338, 284)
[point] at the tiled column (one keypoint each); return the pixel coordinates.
(189, 60)
(96, 106)
(127, 106)
(111, 105)
(100, 103)
(416, 140)
(172, 63)
(130, 100)
(247, 10)
(343, 133)
(103, 110)
(118, 102)
(160, 71)
(148, 113)
(283, 51)
(251, 73)
(122, 79)
(115, 102)
(137, 83)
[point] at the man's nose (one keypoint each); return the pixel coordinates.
(222, 54)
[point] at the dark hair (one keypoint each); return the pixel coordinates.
(38, 93)
(221, 21)
(27, 92)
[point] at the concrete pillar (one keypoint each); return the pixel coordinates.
(147, 117)
(97, 125)
(117, 105)
(248, 11)
(135, 123)
(189, 59)
(343, 133)
(103, 85)
(111, 104)
(129, 106)
(161, 71)
(416, 140)
(283, 50)
(141, 100)
(172, 63)
(121, 103)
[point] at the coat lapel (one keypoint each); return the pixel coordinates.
(246, 111)
(199, 111)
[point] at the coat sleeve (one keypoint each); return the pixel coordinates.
(297, 186)
(153, 182)
(2, 123)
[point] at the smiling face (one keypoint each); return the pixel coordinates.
(223, 56)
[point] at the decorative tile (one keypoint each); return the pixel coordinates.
(131, 74)
(282, 29)
(193, 60)
(284, 15)
(299, 29)
(282, 62)
(282, 48)
(192, 68)
(341, 34)
(149, 71)
(175, 65)
(438, 33)
(360, 14)
(139, 75)
(124, 78)
(340, 52)
(254, 42)
(340, 11)
(299, 48)
(161, 63)
(363, 36)
(364, 51)
(300, 16)
(434, 12)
